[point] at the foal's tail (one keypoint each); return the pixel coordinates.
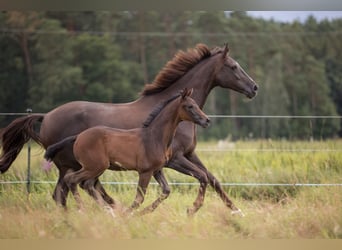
(14, 136)
(53, 149)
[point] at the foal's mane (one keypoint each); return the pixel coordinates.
(177, 67)
(158, 108)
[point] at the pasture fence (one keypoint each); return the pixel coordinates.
(29, 180)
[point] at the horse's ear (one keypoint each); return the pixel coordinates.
(225, 50)
(189, 92)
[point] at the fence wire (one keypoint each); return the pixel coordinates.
(232, 116)
(191, 183)
(28, 182)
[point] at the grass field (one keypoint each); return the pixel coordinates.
(294, 212)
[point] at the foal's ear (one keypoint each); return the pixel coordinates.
(225, 50)
(186, 92)
(189, 92)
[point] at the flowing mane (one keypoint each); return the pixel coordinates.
(157, 110)
(176, 68)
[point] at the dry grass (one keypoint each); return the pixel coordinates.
(310, 215)
(277, 213)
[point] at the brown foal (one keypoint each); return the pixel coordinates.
(145, 150)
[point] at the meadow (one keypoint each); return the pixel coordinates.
(287, 210)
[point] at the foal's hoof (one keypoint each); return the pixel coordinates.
(238, 212)
(110, 211)
(129, 212)
(146, 210)
(81, 211)
(190, 212)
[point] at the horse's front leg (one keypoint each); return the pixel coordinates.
(160, 178)
(144, 180)
(215, 184)
(181, 164)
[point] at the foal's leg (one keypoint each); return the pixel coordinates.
(97, 195)
(215, 184)
(109, 200)
(160, 178)
(144, 180)
(180, 163)
(90, 185)
(72, 179)
(97, 186)
(83, 175)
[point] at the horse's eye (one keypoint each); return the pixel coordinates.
(234, 67)
(190, 106)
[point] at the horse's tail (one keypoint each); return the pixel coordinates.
(53, 149)
(15, 135)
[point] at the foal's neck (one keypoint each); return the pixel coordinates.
(163, 128)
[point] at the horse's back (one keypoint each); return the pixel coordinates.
(75, 117)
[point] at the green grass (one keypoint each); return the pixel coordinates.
(271, 211)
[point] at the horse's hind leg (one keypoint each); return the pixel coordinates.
(160, 178)
(215, 184)
(61, 190)
(183, 165)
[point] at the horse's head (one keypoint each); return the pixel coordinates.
(231, 75)
(190, 111)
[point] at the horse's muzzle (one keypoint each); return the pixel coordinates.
(205, 123)
(253, 92)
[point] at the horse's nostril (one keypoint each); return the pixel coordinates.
(255, 87)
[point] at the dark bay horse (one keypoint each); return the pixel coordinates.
(200, 68)
(145, 150)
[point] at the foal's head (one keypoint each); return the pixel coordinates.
(189, 110)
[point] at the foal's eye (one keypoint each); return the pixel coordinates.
(190, 106)
(234, 67)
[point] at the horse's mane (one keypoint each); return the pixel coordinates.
(177, 67)
(158, 108)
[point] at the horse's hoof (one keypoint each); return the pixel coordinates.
(238, 212)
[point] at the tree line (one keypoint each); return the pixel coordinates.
(50, 58)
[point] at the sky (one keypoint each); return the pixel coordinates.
(289, 16)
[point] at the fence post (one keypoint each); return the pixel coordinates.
(28, 178)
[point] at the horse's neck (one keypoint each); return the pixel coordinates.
(201, 78)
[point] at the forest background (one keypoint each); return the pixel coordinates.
(50, 58)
